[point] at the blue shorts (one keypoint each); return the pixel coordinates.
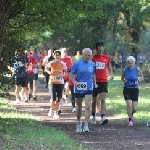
(81, 95)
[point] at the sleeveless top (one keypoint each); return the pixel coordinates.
(131, 76)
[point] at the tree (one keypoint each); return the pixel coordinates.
(5, 7)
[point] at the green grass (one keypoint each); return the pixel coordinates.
(21, 131)
(116, 103)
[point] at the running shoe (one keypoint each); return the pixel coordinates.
(103, 121)
(130, 124)
(93, 120)
(56, 116)
(79, 127)
(74, 110)
(59, 111)
(50, 113)
(34, 98)
(86, 128)
(26, 101)
(17, 101)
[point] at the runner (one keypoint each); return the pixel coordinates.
(82, 75)
(78, 56)
(55, 69)
(35, 79)
(103, 65)
(66, 59)
(46, 60)
(71, 87)
(130, 76)
(42, 56)
(32, 62)
(19, 71)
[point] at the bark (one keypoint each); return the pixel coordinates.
(5, 6)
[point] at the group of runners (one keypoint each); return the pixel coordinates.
(85, 76)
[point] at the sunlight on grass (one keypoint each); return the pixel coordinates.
(28, 133)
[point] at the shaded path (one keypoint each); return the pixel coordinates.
(113, 136)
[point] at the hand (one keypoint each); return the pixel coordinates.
(112, 77)
(124, 80)
(95, 85)
(76, 83)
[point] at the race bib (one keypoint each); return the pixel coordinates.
(82, 86)
(100, 65)
(56, 79)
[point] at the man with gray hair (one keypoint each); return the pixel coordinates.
(82, 74)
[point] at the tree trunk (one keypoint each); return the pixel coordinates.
(5, 6)
(115, 30)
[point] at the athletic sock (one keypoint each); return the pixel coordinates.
(102, 115)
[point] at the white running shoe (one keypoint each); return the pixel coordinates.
(103, 121)
(17, 101)
(74, 110)
(86, 128)
(56, 116)
(94, 120)
(51, 113)
(79, 127)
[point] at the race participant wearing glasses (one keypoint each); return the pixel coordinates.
(82, 74)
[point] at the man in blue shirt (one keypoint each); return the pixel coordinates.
(82, 74)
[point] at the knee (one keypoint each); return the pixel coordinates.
(88, 106)
(16, 91)
(134, 110)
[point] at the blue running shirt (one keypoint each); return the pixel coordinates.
(131, 76)
(83, 72)
(19, 64)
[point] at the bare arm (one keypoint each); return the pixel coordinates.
(140, 74)
(72, 78)
(110, 71)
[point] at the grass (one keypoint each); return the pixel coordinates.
(21, 131)
(116, 103)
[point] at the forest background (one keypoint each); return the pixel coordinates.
(123, 25)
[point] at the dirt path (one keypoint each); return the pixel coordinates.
(113, 136)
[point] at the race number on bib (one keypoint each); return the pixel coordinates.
(100, 65)
(82, 86)
(56, 79)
